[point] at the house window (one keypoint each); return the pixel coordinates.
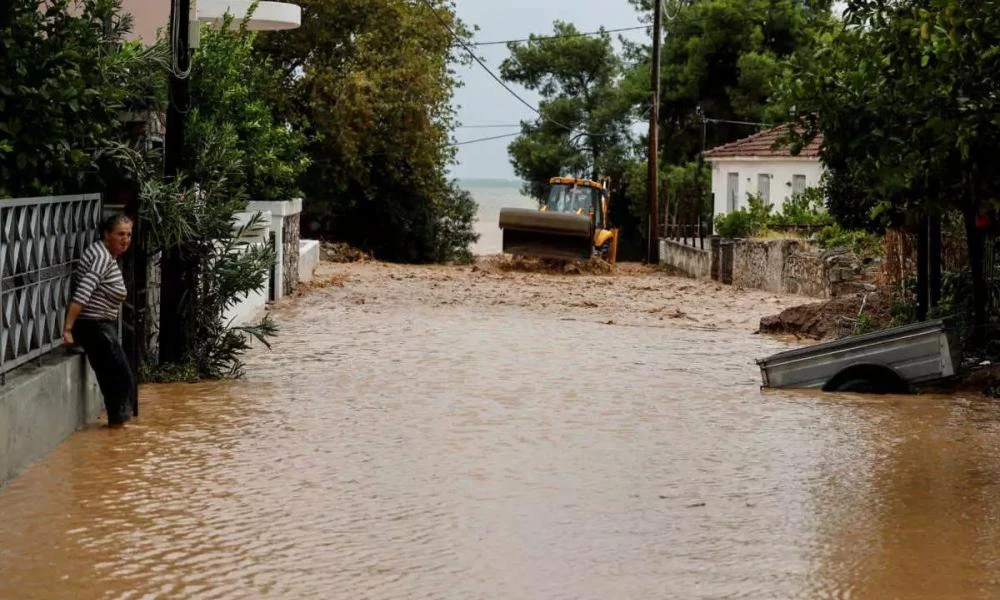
(764, 187)
(798, 184)
(733, 190)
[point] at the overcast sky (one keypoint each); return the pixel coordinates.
(483, 102)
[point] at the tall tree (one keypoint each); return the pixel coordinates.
(726, 57)
(369, 83)
(583, 127)
(909, 106)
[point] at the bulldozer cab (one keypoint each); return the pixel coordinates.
(581, 197)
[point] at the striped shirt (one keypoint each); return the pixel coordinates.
(98, 285)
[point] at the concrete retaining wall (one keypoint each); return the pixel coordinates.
(695, 262)
(41, 406)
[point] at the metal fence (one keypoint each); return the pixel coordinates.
(41, 240)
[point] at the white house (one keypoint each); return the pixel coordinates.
(754, 165)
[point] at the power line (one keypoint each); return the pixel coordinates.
(502, 83)
(728, 122)
(480, 62)
(487, 139)
(557, 37)
(486, 126)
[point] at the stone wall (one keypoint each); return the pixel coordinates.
(789, 266)
(154, 279)
(290, 241)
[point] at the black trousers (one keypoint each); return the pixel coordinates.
(99, 340)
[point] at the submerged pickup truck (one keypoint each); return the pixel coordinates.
(883, 362)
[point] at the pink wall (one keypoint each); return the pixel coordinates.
(149, 16)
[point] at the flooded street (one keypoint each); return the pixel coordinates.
(472, 434)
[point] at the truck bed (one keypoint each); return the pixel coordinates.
(917, 353)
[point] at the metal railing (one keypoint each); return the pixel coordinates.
(41, 240)
(689, 235)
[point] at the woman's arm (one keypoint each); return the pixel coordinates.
(72, 312)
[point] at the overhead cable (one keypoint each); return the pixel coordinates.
(480, 62)
(496, 78)
(557, 37)
(487, 139)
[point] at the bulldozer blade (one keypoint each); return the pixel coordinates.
(543, 234)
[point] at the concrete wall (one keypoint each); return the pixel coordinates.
(692, 261)
(282, 213)
(781, 171)
(308, 259)
(252, 306)
(41, 406)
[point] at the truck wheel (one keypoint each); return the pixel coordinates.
(867, 379)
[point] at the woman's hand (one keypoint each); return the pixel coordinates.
(68, 338)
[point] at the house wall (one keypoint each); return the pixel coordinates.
(748, 169)
(149, 16)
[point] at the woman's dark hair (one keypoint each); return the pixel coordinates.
(108, 225)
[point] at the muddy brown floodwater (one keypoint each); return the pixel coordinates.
(448, 433)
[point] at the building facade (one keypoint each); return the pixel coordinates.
(757, 165)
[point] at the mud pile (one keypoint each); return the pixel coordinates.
(339, 252)
(521, 264)
(831, 319)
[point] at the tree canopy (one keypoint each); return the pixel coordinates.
(906, 97)
(369, 84)
(65, 79)
(585, 113)
(728, 58)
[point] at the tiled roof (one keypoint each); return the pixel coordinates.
(762, 145)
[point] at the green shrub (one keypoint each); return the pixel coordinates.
(861, 243)
(734, 225)
(66, 76)
(805, 209)
(234, 86)
(745, 222)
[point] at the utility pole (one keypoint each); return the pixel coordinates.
(174, 288)
(652, 251)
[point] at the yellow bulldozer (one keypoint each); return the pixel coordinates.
(571, 223)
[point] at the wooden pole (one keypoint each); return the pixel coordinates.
(173, 341)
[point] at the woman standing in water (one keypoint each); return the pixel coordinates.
(92, 316)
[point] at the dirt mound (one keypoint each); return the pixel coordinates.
(522, 264)
(339, 252)
(831, 319)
